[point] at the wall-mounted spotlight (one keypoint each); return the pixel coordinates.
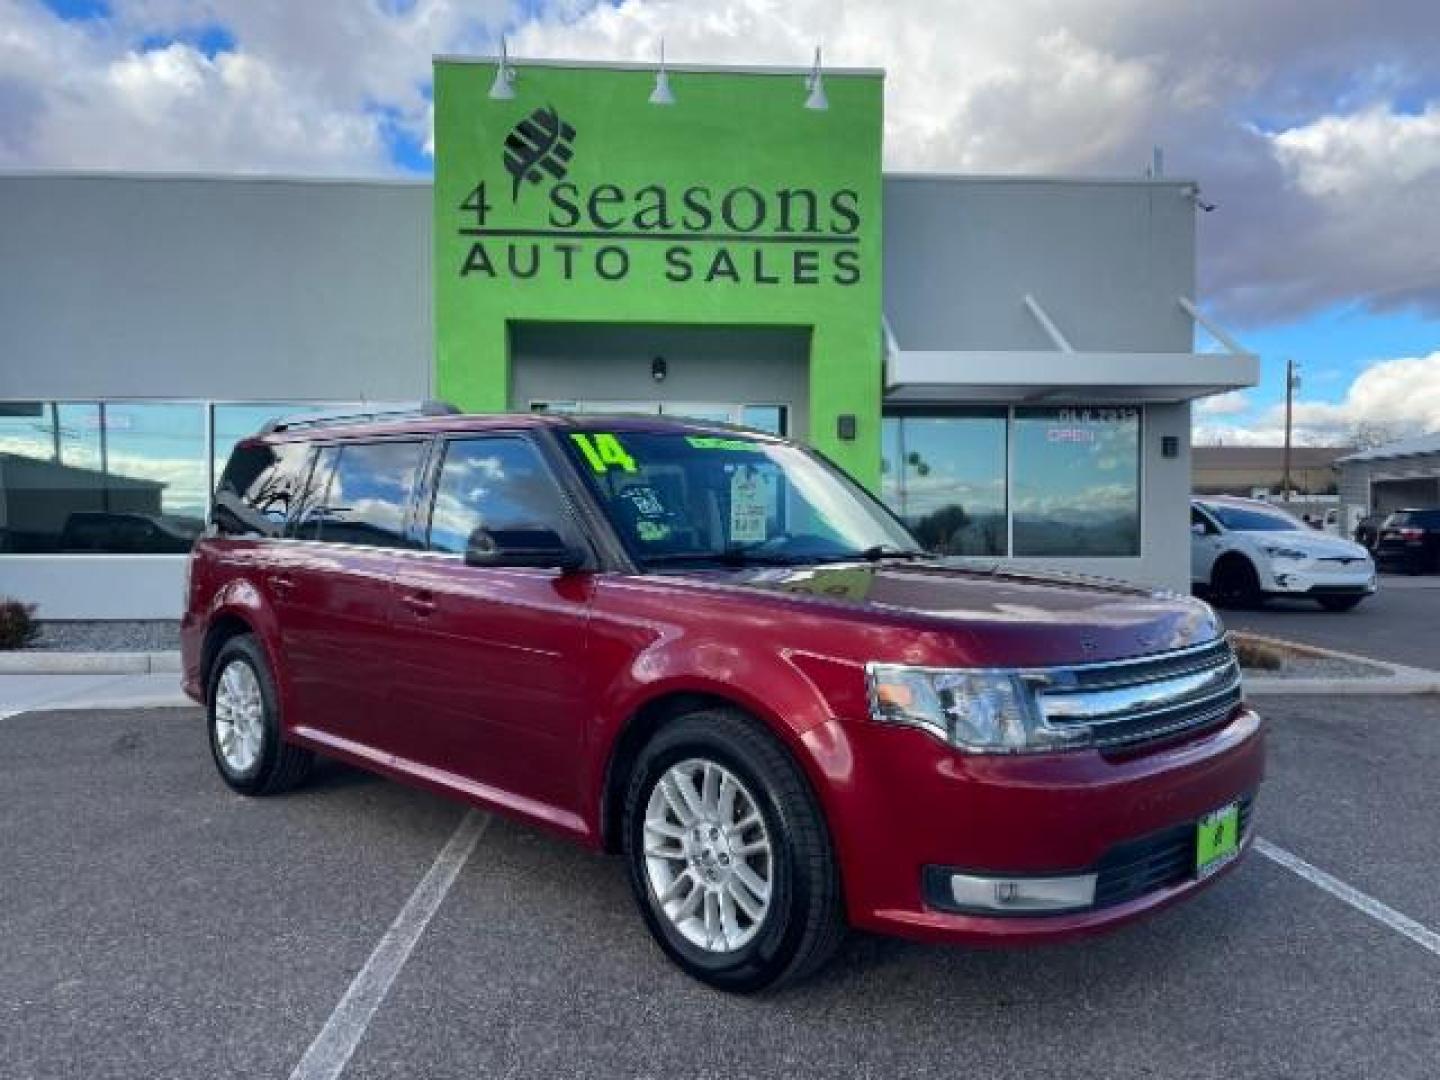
(662, 95)
(502, 89)
(815, 83)
(1193, 194)
(659, 369)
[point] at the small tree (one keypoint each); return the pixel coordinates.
(18, 627)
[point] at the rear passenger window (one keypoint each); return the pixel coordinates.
(493, 483)
(259, 489)
(359, 494)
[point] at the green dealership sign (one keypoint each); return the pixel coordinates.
(578, 201)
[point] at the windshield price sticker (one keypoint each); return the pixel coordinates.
(748, 506)
(716, 442)
(604, 452)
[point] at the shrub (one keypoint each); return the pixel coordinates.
(18, 627)
(1257, 655)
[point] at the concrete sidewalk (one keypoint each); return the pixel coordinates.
(27, 692)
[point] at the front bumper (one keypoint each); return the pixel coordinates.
(914, 805)
(1307, 580)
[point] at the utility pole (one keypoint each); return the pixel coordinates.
(1292, 383)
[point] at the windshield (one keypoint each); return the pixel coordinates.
(1248, 519)
(679, 499)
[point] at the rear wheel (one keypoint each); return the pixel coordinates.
(1339, 603)
(1234, 583)
(244, 722)
(728, 854)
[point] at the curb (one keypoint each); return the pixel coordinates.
(1401, 680)
(43, 662)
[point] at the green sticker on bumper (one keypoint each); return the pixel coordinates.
(1217, 839)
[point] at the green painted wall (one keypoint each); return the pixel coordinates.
(735, 206)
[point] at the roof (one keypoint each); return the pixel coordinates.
(1420, 444)
(1265, 457)
(478, 422)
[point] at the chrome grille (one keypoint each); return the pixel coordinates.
(1134, 701)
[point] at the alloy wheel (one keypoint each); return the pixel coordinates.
(708, 856)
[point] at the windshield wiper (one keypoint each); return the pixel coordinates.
(885, 551)
(734, 556)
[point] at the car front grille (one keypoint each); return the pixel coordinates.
(1130, 702)
(1158, 861)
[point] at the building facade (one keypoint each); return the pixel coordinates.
(1400, 475)
(1008, 362)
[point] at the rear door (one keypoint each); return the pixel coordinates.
(335, 589)
(490, 664)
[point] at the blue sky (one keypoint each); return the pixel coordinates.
(1315, 127)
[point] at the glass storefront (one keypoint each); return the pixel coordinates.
(1055, 482)
(119, 477)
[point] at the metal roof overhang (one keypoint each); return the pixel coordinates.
(1065, 376)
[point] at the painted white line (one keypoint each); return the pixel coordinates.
(337, 1040)
(1402, 924)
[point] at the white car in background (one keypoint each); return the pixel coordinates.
(1244, 550)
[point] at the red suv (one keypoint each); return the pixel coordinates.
(711, 651)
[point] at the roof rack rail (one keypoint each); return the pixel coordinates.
(357, 416)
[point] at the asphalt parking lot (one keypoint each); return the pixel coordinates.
(1401, 622)
(152, 924)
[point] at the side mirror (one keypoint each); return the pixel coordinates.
(1198, 528)
(538, 547)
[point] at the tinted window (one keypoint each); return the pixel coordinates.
(496, 484)
(259, 488)
(1077, 481)
(359, 494)
(86, 476)
(1245, 519)
(945, 477)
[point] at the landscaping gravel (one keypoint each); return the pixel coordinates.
(150, 635)
(1321, 667)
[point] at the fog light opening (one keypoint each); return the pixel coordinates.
(1027, 894)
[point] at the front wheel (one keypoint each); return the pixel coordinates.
(1234, 583)
(728, 854)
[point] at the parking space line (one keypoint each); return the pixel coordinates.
(1423, 936)
(328, 1054)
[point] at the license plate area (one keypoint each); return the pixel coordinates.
(1217, 840)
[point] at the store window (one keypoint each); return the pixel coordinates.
(945, 477)
(1077, 482)
(113, 477)
(1071, 486)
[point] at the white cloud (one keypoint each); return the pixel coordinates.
(1389, 399)
(1328, 191)
(1232, 404)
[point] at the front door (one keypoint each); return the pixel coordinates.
(490, 663)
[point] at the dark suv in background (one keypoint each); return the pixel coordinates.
(1409, 540)
(709, 650)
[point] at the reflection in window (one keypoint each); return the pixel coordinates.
(1077, 481)
(119, 477)
(500, 484)
(366, 499)
(945, 477)
(233, 422)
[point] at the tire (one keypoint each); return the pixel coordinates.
(800, 923)
(1339, 603)
(1234, 583)
(245, 740)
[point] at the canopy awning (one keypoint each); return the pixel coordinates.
(1067, 374)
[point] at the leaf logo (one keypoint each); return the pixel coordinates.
(537, 145)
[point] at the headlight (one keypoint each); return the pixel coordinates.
(1277, 552)
(985, 712)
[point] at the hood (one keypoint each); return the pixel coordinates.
(1317, 545)
(997, 617)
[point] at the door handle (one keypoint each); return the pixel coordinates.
(281, 583)
(421, 602)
